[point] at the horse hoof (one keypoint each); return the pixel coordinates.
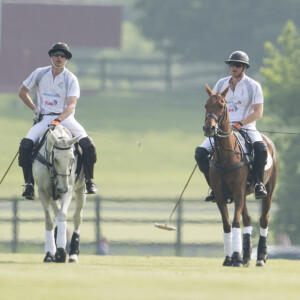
(60, 255)
(227, 262)
(73, 258)
(49, 258)
(237, 259)
(260, 263)
(246, 263)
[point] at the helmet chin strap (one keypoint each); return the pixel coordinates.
(242, 71)
(56, 67)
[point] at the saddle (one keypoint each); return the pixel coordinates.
(245, 144)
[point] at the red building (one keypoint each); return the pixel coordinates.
(29, 30)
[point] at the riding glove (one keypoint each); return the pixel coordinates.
(237, 125)
(54, 123)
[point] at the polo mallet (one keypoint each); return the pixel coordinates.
(166, 226)
(9, 167)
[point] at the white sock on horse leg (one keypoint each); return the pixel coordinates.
(49, 242)
(77, 231)
(236, 240)
(61, 239)
(264, 232)
(248, 229)
(227, 240)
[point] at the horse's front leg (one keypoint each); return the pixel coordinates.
(239, 200)
(77, 218)
(227, 235)
(61, 222)
(50, 247)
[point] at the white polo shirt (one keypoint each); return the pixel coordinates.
(52, 93)
(240, 102)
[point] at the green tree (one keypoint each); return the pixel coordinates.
(208, 30)
(281, 74)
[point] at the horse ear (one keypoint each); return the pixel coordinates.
(224, 93)
(51, 140)
(74, 140)
(53, 137)
(209, 91)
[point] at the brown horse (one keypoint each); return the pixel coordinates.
(229, 179)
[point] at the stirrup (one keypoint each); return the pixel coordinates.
(28, 192)
(260, 190)
(210, 197)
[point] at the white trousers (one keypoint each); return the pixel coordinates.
(254, 136)
(70, 123)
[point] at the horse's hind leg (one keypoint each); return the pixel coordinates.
(263, 232)
(247, 244)
(77, 217)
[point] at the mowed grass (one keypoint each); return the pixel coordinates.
(24, 276)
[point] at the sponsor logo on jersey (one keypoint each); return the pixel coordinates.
(233, 109)
(51, 103)
(51, 95)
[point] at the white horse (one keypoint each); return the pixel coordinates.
(54, 173)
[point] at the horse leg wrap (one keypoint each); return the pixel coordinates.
(74, 246)
(262, 248)
(50, 242)
(247, 248)
(89, 156)
(227, 240)
(260, 160)
(25, 151)
(61, 240)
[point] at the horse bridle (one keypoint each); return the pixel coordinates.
(222, 134)
(219, 132)
(50, 165)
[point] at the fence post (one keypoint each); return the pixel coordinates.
(98, 229)
(103, 73)
(168, 75)
(178, 245)
(15, 226)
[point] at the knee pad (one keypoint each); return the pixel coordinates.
(202, 159)
(25, 150)
(261, 152)
(89, 150)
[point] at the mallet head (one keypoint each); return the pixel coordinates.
(164, 226)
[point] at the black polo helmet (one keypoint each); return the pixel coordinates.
(61, 47)
(238, 56)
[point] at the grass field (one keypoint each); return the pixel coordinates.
(24, 276)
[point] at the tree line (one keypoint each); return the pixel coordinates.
(199, 30)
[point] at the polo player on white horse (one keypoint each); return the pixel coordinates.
(57, 92)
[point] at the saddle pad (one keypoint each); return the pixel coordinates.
(269, 162)
(246, 150)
